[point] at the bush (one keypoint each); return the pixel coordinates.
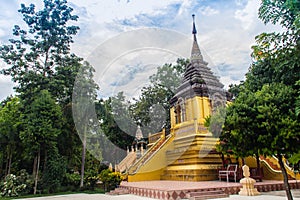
(110, 179)
(54, 173)
(10, 187)
(72, 179)
(91, 178)
(24, 178)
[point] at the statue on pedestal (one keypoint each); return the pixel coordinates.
(247, 183)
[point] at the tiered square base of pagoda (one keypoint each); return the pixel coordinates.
(176, 190)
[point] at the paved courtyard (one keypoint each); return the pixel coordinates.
(275, 195)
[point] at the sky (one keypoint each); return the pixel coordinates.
(126, 40)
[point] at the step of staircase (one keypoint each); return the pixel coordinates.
(214, 194)
(118, 191)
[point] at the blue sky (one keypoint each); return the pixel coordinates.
(226, 31)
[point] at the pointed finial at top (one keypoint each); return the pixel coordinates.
(194, 26)
(196, 53)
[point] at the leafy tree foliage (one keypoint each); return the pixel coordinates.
(10, 125)
(110, 179)
(54, 171)
(156, 96)
(39, 61)
(277, 54)
(84, 96)
(37, 54)
(42, 127)
(116, 123)
(11, 187)
(265, 110)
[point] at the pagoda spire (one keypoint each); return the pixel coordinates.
(196, 53)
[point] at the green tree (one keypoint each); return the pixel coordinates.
(54, 172)
(263, 123)
(298, 99)
(121, 115)
(42, 126)
(276, 55)
(281, 128)
(38, 57)
(156, 96)
(274, 73)
(10, 126)
(84, 97)
(36, 54)
(117, 127)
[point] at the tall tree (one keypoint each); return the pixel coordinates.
(156, 96)
(276, 55)
(271, 82)
(42, 126)
(10, 126)
(38, 57)
(117, 128)
(280, 125)
(36, 53)
(84, 97)
(263, 123)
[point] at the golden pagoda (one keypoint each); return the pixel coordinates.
(188, 152)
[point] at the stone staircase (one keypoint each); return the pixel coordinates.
(192, 159)
(126, 162)
(134, 168)
(118, 191)
(213, 194)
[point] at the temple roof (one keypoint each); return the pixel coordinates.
(198, 79)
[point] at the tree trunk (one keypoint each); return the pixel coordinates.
(243, 161)
(83, 160)
(223, 160)
(37, 172)
(45, 161)
(257, 164)
(9, 161)
(6, 162)
(285, 178)
(34, 166)
(3, 169)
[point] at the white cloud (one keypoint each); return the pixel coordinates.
(2, 33)
(6, 87)
(227, 80)
(106, 10)
(240, 2)
(226, 30)
(208, 11)
(126, 61)
(248, 15)
(186, 5)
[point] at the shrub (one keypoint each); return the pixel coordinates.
(54, 173)
(24, 178)
(110, 179)
(72, 179)
(91, 178)
(10, 187)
